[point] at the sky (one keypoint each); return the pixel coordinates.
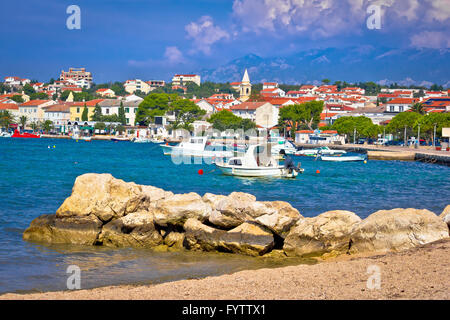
(153, 39)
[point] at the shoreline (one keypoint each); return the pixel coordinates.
(418, 273)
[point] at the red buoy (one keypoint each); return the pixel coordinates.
(318, 171)
(200, 172)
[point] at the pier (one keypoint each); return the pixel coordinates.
(376, 152)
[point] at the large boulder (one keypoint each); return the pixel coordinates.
(329, 231)
(177, 209)
(280, 217)
(153, 194)
(239, 207)
(50, 228)
(445, 215)
(174, 239)
(248, 238)
(134, 230)
(396, 230)
(102, 195)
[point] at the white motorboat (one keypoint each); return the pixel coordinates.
(5, 134)
(321, 151)
(157, 141)
(198, 147)
(77, 136)
(280, 143)
(141, 140)
(257, 162)
(340, 158)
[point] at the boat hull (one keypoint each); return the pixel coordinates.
(257, 172)
(343, 159)
(173, 150)
(17, 134)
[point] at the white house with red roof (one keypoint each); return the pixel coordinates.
(247, 110)
(34, 109)
(358, 90)
(400, 104)
(272, 93)
(106, 92)
(270, 85)
(183, 79)
(436, 94)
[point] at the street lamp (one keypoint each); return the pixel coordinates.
(434, 135)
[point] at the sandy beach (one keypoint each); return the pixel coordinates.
(419, 273)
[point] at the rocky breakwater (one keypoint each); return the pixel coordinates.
(103, 210)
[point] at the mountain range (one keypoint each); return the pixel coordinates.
(354, 64)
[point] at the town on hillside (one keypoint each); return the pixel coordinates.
(322, 113)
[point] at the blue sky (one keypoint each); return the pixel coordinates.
(149, 39)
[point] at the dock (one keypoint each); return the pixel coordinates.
(375, 152)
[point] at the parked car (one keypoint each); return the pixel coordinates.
(381, 141)
(394, 143)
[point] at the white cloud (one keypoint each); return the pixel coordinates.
(327, 18)
(430, 39)
(205, 34)
(174, 55)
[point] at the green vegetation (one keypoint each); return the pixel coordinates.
(28, 89)
(77, 96)
(23, 121)
(84, 114)
(39, 96)
(100, 126)
(6, 118)
(155, 104)
(185, 112)
(47, 126)
(300, 116)
(122, 118)
(418, 108)
(97, 115)
(363, 125)
(17, 98)
(225, 119)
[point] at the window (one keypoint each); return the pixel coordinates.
(107, 111)
(127, 110)
(391, 108)
(400, 108)
(128, 120)
(78, 110)
(135, 110)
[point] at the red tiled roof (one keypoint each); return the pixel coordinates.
(58, 108)
(34, 102)
(102, 90)
(9, 106)
(323, 116)
(402, 101)
(248, 106)
(304, 131)
(90, 103)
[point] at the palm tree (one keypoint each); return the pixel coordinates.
(23, 121)
(48, 125)
(418, 108)
(35, 126)
(6, 118)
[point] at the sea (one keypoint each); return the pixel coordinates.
(36, 175)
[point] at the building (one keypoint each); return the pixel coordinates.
(16, 81)
(34, 109)
(76, 74)
(400, 104)
(111, 106)
(131, 86)
(244, 87)
(182, 79)
(156, 83)
(13, 108)
(319, 137)
(266, 116)
(270, 85)
(59, 115)
(247, 110)
(77, 108)
(106, 92)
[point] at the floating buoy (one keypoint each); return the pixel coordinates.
(48, 147)
(200, 172)
(54, 146)
(317, 171)
(365, 161)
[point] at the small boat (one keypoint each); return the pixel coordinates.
(197, 147)
(281, 143)
(17, 134)
(321, 150)
(5, 134)
(257, 162)
(141, 140)
(157, 141)
(120, 139)
(77, 136)
(343, 158)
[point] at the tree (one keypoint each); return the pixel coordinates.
(225, 119)
(97, 115)
(39, 96)
(6, 118)
(185, 112)
(17, 98)
(84, 115)
(122, 118)
(326, 81)
(418, 108)
(47, 126)
(155, 104)
(35, 125)
(403, 121)
(430, 121)
(118, 89)
(301, 115)
(120, 128)
(23, 121)
(362, 125)
(28, 89)
(100, 126)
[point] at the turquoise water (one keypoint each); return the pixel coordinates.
(35, 180)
